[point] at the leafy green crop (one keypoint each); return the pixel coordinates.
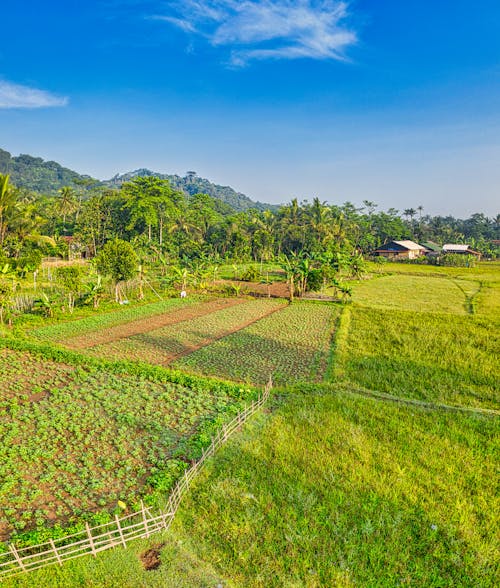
(292, 345)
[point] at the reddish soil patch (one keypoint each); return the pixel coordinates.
(144, 325)
(150, 559)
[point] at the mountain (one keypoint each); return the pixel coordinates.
(191, 184)
(33, 173)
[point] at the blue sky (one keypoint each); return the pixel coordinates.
(390, 101)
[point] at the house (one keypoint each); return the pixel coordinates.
(400, 250)
(460, 249)
(431, 248)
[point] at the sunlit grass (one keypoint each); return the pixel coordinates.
(449, 359)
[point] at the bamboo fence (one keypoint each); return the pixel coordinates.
(137, 525)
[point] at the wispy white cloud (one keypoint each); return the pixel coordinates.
(19, 96)
(268, 29)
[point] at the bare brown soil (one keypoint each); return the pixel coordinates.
(150, 559)
(274, 290)
(144, 325)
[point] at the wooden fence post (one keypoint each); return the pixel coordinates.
(16, 555)
(53, 545)
(145, 519)
(119, 527)
(91, 539)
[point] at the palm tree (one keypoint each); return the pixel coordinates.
(7, 201)
(67, 203)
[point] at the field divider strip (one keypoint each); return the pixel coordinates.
(357, 391)
(115, 533)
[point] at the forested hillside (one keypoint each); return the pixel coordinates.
(47, 177)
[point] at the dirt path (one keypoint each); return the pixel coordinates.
(144, 325)
(209, 340)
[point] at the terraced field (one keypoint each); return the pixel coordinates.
(161, 346)
(292, 345)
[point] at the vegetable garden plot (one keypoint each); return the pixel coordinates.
(160, 346)
(293, 345)
(103, 320)
(91, 438)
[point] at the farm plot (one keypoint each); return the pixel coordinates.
(145, 325)
(161, 346)
(61, 331)
(448, 359)
(416, 293)
(293, 345)
(79, 439)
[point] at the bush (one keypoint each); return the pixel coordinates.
(251, 274)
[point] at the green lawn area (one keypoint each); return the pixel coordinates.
(415, 293)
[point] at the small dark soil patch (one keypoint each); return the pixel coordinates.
(150, 559)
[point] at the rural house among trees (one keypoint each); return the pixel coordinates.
(400, 250)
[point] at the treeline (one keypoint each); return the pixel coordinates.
(159, 220)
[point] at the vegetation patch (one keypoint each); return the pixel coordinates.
(64, 330)
(179, 314)
(292, 345)
(160, 346)
(425, 356)
(94, 438)
(415, 293)
(362, 493)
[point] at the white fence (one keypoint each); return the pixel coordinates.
(121, 530)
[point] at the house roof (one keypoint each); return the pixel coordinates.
(431, 246)
(455, 247)
(409, 244)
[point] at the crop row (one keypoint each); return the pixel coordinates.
(159, 346)
(293, 345)
(64, 330)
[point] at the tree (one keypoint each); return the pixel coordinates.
(7, 202)
(117, 259)
(70, 277)
(67, 203)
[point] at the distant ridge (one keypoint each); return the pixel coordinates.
(47, 177)
(191, 184)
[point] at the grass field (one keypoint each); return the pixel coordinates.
(328, 490)
(442, 358)
(292, 345)
(81, 439)
(416, 293)
(162, 345)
